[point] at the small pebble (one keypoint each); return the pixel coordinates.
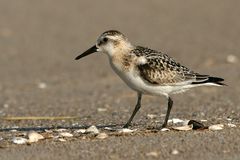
(152, 154)
(80, 131)
(216, 127)
(232, 59)
(175, 152)
(92, 129)
(42, 85)
(102, 136)
(231, 125)
(19, 140)
(65, 134)
(151, 116)
(34, 137)
(5, 105)
(102, 109)
(62, 140)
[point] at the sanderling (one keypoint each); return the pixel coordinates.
(147, 71)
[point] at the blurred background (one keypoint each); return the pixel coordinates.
(39, 76)
(40, 39)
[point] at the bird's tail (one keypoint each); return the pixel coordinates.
(202, 79)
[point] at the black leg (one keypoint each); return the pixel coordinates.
(137, 107)
(170, 103)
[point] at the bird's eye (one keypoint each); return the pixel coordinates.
(105, 39)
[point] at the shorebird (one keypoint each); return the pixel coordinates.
(146, 71)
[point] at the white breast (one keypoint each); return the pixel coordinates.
(134, 81)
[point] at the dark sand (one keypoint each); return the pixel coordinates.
(40, 39)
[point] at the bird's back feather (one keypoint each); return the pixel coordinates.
(160, 69)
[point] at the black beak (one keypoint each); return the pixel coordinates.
(87, 52)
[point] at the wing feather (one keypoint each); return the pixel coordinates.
(160, 69)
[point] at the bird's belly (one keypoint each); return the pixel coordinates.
(135, 82)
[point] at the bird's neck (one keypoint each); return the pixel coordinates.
(122, 59)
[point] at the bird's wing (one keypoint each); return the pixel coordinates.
(160, 69)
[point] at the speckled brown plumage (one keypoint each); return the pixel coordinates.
(160, 68)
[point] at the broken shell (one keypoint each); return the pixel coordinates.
(34, 137)
(102, 136)
(184, 128)
(165, 129)
(65, 134)
(80, 131)
(126, 130)
(92, 129)
(231, 125)
(176, 120)
(216, 127)
(62, 140)
(19, 140)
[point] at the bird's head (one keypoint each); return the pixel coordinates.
(108, 42)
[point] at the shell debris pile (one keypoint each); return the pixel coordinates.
(93, 132)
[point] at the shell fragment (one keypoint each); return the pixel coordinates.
(216, 127)
(184, 128)
(102, 136)
(92, 129)
(19, 140)
(34, 137)
(65, 134)
(126, 130)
